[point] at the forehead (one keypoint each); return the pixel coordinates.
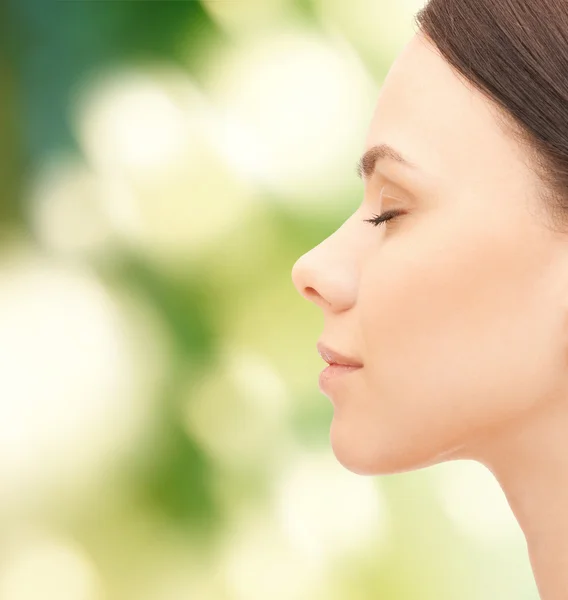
(440, 121)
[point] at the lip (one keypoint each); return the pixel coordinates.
(332, 373)
(335, 358)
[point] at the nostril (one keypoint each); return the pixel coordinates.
(302, 274)
(310, 293)
(314, 296)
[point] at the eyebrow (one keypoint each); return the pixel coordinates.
(367, 163)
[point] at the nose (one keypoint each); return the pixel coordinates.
(326, 276)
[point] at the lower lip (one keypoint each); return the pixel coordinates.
(332, 372)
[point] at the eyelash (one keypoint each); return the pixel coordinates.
(383, 218)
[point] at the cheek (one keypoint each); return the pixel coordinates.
(454, 341)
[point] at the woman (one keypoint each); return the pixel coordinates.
(448, 286)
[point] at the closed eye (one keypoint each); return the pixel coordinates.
(389, 215)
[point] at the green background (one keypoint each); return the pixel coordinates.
(162, 434)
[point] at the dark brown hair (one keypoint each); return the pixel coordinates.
(516, 53)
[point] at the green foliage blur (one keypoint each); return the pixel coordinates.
(162, 435)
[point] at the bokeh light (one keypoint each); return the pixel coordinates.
(238, 411)
(40, 566)
(67, 209)
(265, 83)
(69, 399)
(259, 562)
(474, 500)
(326, 511)
(152, 132)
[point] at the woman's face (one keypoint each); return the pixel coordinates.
(454, 308)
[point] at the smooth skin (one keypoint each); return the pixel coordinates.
(457, 308)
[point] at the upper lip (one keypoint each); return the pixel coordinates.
(335, 358)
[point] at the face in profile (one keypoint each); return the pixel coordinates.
(454, 306)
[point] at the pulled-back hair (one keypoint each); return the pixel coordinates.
(516, 53)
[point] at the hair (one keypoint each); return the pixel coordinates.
(516, 53)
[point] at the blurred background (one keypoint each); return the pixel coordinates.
(162, 434)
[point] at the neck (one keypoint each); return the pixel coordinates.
(529, 459)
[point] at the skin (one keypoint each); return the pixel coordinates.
(457, 308)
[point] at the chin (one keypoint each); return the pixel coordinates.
(371, 457)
